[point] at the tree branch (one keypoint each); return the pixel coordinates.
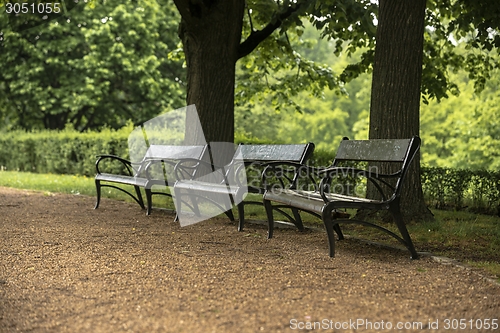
(256, 37)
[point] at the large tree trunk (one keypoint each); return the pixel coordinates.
(211, 33)
(395, 101)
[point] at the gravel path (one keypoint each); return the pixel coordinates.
(66, 267)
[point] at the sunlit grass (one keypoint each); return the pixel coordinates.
(48, 182)
(70, 184)
(468, 237)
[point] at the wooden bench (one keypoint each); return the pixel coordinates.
(150, 171)
(230, 185)
(327, 189)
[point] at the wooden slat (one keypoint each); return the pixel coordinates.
(292, 153)
(174, 152)
(380, 150)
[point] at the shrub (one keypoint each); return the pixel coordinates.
(60, 152)
(72, 152)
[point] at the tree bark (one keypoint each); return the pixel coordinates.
(210, 32)
(395, 101)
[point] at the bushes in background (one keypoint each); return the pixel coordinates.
(474, 190)
(60, 152)
(72, 152)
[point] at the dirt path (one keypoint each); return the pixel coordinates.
(68, 268)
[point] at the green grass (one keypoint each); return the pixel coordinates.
(471, 238)
(69, 184)
(48, 182)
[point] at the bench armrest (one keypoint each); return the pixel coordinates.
(131, 167)
(377, 179)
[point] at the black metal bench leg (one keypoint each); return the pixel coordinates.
(270, 218)
(178, 202)
(149, 200)
(98, 190)
(196, 208)
(139, 197)
(297, 219)
(339, 232)
(328, 222)
(398, 218)
(241, 216)
(230, 215)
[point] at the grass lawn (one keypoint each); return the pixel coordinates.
(468, 237)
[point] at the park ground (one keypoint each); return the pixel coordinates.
(66, 267)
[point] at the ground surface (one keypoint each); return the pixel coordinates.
(66, 267)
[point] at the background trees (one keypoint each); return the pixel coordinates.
(64, 73)
(99, 65)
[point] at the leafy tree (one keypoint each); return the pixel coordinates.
(212, 32)
(97, 65)
(397, 72)
(463, 131)
(226, 31)
(260, 114)
(264, 37)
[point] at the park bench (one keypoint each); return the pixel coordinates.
(151, 171)
(230, 184)
(324, 191)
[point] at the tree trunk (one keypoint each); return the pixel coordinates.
(211, 33)
(395, 101)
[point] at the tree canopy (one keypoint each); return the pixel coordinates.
(105, 62)
(351, 26)
(99, 64)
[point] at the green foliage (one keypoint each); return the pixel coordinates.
(463, 131)
(323, 119)
(95, 66)
(296, 59)
(61, 152)
(476, 190)
(476, 24)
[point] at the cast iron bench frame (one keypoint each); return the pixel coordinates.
(247, 155)
(320, 202)
(138, 174)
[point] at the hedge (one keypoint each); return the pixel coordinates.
(72, 152)
(460, 189)
(63, 152)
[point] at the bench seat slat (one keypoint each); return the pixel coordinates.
(122, 179)
(311, 201)
(197, 186)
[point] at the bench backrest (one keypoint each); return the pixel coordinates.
(401, 151)
(255, 157)
(170, 155)
(377, 150)
(267, 153)
(167, 152)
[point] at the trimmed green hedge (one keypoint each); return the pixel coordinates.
(71, 152)
(64, 152)
(474, 190)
